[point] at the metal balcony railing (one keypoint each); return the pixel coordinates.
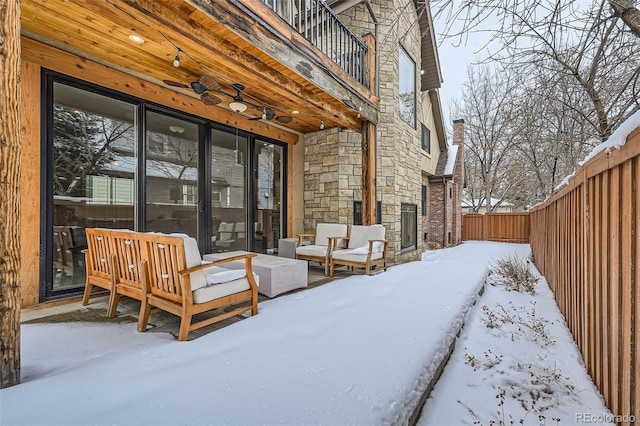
(320, 25)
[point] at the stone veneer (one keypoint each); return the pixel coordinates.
(333, 158)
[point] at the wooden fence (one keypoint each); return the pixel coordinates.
(505, 227)
(586, 241)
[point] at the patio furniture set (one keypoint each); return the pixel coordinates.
(167, 271)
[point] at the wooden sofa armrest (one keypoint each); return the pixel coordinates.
(216, 263)
(300, 236)
(333, 242)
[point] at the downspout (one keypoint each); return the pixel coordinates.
(444, 202)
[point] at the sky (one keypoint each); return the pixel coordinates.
(355, 351)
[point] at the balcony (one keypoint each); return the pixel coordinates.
(316, 22)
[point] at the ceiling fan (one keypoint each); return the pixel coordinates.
(202, 86)
(270, 114)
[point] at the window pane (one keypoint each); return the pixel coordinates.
(172, 175)
(407, 88)
(94, 174)
(426, 139)
(408, 217)
(228, 191)
(269, 177)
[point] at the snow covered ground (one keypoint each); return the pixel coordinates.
(356, 351)
(515, 361)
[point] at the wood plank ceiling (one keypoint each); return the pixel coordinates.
(99, 30)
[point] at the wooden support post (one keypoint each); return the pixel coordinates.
(10, 190)
(369, 143)
(370, 62)
(368, 173)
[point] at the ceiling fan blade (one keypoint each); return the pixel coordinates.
(270, 113)
(198, 87)
(208, 82)
(284, 118)
(210, 99)
(175, 84)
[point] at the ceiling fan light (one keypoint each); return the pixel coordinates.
(237, 105)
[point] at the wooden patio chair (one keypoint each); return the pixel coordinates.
(175, 281)
(366, 248)
(127, 268)
(320, 250)
(98, 260)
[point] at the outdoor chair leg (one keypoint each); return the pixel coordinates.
(145, 310)
(88, 288)
(185, 323)
(114, 298)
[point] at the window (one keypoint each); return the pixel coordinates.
(426, 139)
(407, 88)
(408, 226)
(110, 190)
(357, 212)
(424, 200)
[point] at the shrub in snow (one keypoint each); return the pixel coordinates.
(514, 274)
(518, 322)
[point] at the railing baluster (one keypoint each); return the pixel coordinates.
(322, 27)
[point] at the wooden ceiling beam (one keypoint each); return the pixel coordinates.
(96, 73)
(237, 52)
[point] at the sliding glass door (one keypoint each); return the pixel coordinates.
(268, 185)
(111, 161)
(229, 164)
(94, 163)
(172, 148)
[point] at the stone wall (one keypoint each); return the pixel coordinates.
(333, 157)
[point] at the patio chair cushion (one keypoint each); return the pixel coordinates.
(326, 230)
(347, 254)
(361, 234)
(216, 275)
(312, 250)
(216, 291)
(377, 248)
(193, 258)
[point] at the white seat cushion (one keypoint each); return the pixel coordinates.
(347, 254)
(312, 250)
(361, 234)
(216, 291)
(326, 230)
(221, 275)
(192, 255)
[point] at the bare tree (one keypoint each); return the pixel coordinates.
(584, 46)
(493, 165)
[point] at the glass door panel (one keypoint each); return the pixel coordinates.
(228, 191)
(269, 175)
(171, 174)
(94, 175)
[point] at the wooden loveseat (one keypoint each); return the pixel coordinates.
(167, 272)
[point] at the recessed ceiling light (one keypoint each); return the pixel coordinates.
(421, 72)
(295, 111)
(136, 38)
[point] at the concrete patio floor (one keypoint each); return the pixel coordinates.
(71, 310)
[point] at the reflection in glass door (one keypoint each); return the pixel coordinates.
(171, 174)
(228, 191)
(94, 175)
(268, 184)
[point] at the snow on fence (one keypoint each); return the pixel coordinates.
(585, 239)
(504, 227)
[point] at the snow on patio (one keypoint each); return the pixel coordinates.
(359, 350)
